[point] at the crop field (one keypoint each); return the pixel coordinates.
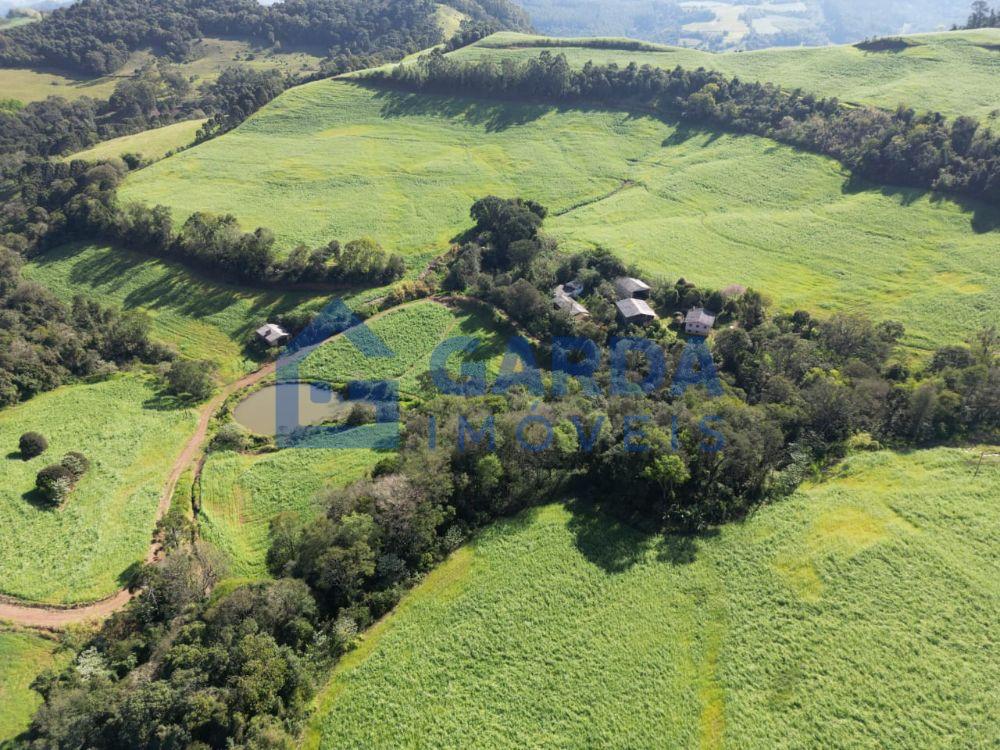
(716, 209)
(202, 318)
(149, 144)
(411, 332)
(861, 612)
(78, 552)
(955, 73)
(212, 56)
(23, 656)
(240, 494)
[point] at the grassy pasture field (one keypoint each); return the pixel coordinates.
(202, 318)
(149, 144)
(240, 494)
(333, 159)
(411, 332)
(209, 58)
(23, 656)
(78, 552)
(858, 613)
(955, 73)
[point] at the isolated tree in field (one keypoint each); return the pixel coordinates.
(54, 483)
(32, 444)
(190, 379)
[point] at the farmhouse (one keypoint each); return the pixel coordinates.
(272, 334)
(629, 288)
(635, 311)
(698, 322)
(562, 300)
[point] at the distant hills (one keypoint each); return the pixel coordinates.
(751, 24)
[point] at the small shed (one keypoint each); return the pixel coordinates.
(635, 311)
(629, 288)
(564, 302)
(272, 334)
(698, 322)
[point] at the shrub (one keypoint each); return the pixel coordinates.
(189, 379)
(76, 463)
(32, 444)
(230, 437)
(54, 483)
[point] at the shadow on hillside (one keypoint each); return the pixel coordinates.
(983, 217)
(616, 545)
(493, 115)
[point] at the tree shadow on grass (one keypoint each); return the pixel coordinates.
(129, 577)
(983, 217)
(493, 115)
(37, 500)
(15, 455)
(616, 545)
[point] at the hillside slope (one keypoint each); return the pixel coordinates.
(955, 73)
(857, 613)
(335, 160)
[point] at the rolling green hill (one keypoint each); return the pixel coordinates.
(333, 159)
(77, 553)
(955, 73)
(857, 613)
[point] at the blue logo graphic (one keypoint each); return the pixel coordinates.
(575, 359)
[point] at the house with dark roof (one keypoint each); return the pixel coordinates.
(272, 334)
(561, 300)
(698, 322)
(635, 311)
(629, 288)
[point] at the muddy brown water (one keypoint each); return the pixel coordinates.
(262, 411)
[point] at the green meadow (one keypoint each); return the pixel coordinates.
(955, 73)
(240, 494)
(333, 159)
(411, 332)
(860, 612)
(23, 656)
(149, 144)
(79, 551)
(202, 318)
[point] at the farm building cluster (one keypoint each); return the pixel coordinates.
(632, 304)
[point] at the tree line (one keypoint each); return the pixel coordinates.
(52, 203)
(96, 37)
(45, 342)
(982, 16)
(902, 147)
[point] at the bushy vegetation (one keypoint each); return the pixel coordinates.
(239, 495)
(45, 342)
(96, 37)
(129, 440)
(807, 625)
(900, 148)
(32, 444)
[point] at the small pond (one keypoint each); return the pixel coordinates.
(259, 411)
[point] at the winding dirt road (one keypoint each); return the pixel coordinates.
(52, 617)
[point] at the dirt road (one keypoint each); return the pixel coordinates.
(53, 617)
